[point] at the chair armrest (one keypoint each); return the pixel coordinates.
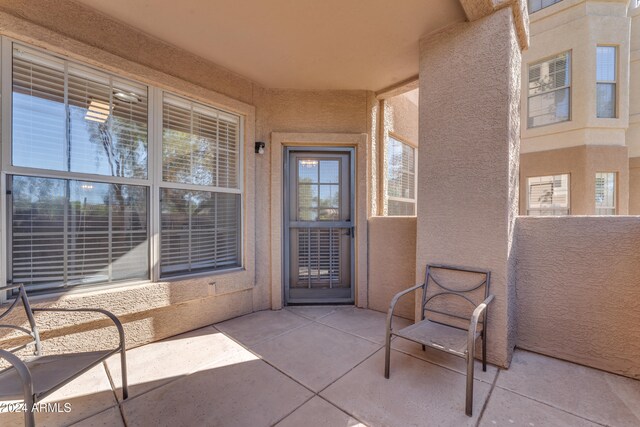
(23, 372)
(394, 301)
(110, 315)
(475, 317)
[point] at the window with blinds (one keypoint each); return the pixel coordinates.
(401, 178)
(200, 198)
(67, 232)
(606, 77)
(536, 5)
(549, 91)
(79, 182)
(605, 193)
(67, 117)
(548, 195)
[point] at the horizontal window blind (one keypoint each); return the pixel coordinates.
(66, 233)
(200, 231)
(605, 193)
(548, 195)
(401, 178)
(549, 91)
(67, 117)
(200, 144)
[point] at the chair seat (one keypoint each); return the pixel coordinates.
(436, 335)
(47, 372)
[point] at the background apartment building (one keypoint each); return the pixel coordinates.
(580, 151)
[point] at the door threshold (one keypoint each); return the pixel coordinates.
(312, 301)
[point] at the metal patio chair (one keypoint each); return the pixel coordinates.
(454, 306)
(35, 377)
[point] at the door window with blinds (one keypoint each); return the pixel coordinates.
(548, 195)
(401, 178)
(79, 177)
(200, 198)
(549, 93)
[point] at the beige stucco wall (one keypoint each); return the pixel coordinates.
(634, 186)
(468, 159)
(579, 290)
(581, 163)
(153, 311)
(392, 263)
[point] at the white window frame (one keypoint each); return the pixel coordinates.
(391, 135)
(614, 207)
(529, 209)
(153, 182)
(613, 82)
(567, 87)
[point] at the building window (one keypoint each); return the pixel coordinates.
(200, 198)
(605, 193)
(80, 178)
(401, 178)
(536, 5)
(606, 81)
(548, 195)
(549, 91)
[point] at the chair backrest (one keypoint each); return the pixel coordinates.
(452, 293)
(20, 299)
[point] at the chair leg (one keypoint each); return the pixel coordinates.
(387, 354)
(469, 397)
(484, 352)
(123, 369)
(29, 416)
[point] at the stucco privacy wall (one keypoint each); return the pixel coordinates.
(578, 290)
(392, 263)
(581, 163)
(469, 135)
(153, 311)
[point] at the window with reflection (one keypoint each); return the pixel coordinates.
(200, 194)
(401, 178)
(548, 195)
(549, 97)
(80, 183)
(606, 77)
(605, 193)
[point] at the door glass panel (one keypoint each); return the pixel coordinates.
(320, 256)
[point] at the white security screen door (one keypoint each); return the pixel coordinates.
(319, 230)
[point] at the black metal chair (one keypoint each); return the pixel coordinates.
(454, 306)
(34, 378)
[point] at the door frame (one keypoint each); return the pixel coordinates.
(322, 149)
(280, 140)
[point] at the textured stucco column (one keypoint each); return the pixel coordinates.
(468, 159)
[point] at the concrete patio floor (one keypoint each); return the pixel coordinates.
(322, 366)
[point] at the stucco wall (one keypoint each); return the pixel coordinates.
(578, 290)
(581, 163)
(469, 141)
(634, 186)
(392, 263)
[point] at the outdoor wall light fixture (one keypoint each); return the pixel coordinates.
(259, 147)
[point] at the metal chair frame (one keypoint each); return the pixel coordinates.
(479, 315)
(31, 397)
